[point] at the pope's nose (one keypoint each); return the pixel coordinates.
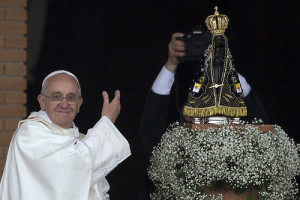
(64, 103)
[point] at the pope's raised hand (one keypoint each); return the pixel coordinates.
(113, 108)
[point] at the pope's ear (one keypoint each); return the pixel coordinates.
(79, 104)
(41, 100)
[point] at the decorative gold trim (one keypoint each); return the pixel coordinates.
(215, 110)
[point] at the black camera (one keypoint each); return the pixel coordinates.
(196, 43)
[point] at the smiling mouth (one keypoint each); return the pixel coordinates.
(64, 111)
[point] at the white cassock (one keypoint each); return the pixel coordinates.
(47, 162)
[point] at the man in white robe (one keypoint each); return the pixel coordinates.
(48, 159)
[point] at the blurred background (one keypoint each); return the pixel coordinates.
(122, 45)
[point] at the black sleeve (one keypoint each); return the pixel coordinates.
(255, 108)
(153, 122)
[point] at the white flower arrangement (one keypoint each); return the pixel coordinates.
(187, 161)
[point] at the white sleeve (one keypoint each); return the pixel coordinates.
(245, 86)
(108, 147)
(163, 82)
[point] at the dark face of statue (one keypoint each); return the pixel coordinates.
(219, 49)
(219, 54)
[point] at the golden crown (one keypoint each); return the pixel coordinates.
(217, 23)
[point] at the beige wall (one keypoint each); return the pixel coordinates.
(13, 43)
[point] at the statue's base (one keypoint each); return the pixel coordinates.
(216, 120)
(262, 127)
(230, 194)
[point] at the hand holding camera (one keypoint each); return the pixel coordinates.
(176, 50)
(195, 43)
(187, 47)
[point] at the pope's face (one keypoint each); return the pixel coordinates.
(61, 113)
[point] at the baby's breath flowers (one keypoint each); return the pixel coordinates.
(187, 161)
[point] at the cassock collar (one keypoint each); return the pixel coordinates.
(58, 130)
